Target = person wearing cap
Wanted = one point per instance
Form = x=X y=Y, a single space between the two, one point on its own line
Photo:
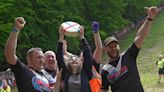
x=121 y=71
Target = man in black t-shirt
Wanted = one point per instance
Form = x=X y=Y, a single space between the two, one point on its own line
x=121 y=72
x=29 y=78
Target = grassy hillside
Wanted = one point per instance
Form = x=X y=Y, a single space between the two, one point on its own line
x=153 y=46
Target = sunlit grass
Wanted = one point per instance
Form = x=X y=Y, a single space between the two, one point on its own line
x=146 y=60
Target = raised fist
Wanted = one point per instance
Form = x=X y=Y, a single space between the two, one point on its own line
x=95 y=26
x=61 y=31
x=151 y=12
x=81 y=34
x=19 y=23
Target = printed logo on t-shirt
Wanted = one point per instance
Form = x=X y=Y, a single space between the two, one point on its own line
x=40 y=84
x=50 y=79
x=114 y=73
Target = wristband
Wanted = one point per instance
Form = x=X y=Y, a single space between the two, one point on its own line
x=14 y=30
x=150 y=19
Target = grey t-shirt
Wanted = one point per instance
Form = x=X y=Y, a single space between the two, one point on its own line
x=74 y=83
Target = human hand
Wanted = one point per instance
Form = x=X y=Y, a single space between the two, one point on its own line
x=19 y=23
x=5 y=87
x=151 y=12
x=95 y=26
x=61 y=31
x=81 y=32
x=59 y=75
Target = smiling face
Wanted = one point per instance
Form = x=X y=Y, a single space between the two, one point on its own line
x=35 y=59
x=113 y=50
x=74 y=64
x=50 y=60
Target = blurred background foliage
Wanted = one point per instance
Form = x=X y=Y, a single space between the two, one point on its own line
x=44 y=17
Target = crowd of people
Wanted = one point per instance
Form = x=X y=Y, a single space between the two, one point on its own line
x=7 y=81
x=68 y=72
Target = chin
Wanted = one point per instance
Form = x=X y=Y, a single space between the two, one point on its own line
x=42 y=67
x=114 y=56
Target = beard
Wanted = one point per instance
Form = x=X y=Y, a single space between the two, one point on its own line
x=113 y=56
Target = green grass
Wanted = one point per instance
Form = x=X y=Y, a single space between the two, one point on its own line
x=153 y=46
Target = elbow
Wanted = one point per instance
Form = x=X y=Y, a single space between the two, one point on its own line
x=6 y=53
x=10 y=57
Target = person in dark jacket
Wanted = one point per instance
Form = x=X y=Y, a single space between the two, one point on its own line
x=76 y=73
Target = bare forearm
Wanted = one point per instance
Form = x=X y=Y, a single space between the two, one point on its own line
x=98 y=51
x=61 y=38
x=145 y=28
x=97 y=39
x=142 y=33
x=57 y=86
x=10 y=48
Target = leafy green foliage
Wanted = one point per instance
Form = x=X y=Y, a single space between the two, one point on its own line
x=44 y=17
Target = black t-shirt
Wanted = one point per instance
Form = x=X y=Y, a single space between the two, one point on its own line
x=96 y=65
x=52 y=72
x=127 y=78
x=28 y=80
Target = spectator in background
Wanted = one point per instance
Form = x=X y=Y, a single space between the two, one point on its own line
x=160 y=65
x=4 y=87
x=121 y=71
x=51 y=67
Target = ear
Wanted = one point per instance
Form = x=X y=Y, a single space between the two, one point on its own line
x=28 y=60
x=103 y=48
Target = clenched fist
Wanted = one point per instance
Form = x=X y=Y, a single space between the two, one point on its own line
x=19 y=23
x=151 y=12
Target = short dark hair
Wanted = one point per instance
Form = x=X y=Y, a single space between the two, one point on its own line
x=32 y=50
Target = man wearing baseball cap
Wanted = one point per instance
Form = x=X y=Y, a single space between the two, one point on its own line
x=121 y=71
x=110 y=39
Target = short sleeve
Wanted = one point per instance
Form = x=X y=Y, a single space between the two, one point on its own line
x=105 y=83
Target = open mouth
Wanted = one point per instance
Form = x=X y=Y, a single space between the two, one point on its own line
x=51 y=62
x=74 y=62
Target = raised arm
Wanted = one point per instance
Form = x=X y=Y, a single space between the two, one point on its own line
x=59 y=55
x=146 y=26
x=98 y=51
x=87 y=64
x=11 y=44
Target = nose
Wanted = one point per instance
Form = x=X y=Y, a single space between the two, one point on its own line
x=50 y=57
x=73 y=58
x=114 y=48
